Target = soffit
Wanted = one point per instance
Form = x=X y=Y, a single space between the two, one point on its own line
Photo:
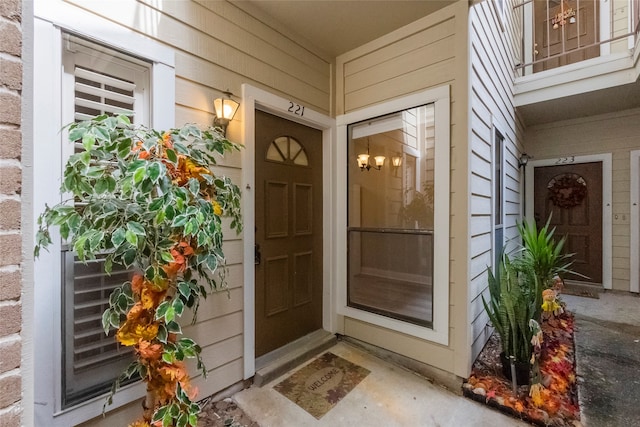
x=617 y=98
x=338 y=26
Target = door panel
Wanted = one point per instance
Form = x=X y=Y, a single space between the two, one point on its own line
x=288 y=231
x=580 y=221
x=576 y=39
x=276 y=218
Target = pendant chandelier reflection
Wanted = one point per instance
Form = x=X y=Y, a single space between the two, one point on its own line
x=363 y=160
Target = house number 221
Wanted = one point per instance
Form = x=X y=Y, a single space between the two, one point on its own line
x=296 y=109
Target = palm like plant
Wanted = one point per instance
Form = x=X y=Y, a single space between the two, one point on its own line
x=510 y=308
x=542 y=258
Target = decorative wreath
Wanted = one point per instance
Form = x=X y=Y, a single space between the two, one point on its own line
x=567 y=190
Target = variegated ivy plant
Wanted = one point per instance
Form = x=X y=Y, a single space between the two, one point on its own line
x=148 y=200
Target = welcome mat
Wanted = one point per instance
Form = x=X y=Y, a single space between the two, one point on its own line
x=321 y=384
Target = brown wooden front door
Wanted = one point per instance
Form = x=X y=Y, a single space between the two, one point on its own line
x=573 y=194
x=571 y=36
x=288 y=231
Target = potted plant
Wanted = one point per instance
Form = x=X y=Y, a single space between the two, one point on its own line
x=510 y=308
x=149 y=201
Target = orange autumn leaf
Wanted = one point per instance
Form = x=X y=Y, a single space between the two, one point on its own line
x=166 y=140
x=186 y=248
x=150 y=299
x=135 y=312
x=177 y=257
x=171 y=269
x=138 y=326
x=130 y=334
x=186 y=170
x=173 y=372
x=149 y=351
x=136 y=283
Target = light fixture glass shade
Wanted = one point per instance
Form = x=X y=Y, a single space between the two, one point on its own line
x=363 y=160
x=379 y=161
x=225 y=108
x=396 y=161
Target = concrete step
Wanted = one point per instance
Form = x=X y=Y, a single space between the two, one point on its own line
x=280 y=361
x=582 y=289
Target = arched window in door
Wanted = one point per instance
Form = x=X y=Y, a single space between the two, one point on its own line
x=286 y=149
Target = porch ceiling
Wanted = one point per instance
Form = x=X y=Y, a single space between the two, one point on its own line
x=337 y=26
x=610 y=100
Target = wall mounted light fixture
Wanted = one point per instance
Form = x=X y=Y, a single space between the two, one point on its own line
x=225 y=110
x=363 y=161
x=523 y=160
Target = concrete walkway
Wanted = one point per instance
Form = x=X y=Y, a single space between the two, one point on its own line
x=607 y=341
x=608 y=367
x=389 y=396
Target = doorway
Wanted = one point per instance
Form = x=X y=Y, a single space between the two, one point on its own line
x=572 y=195
x=634 y=249
x=288 y=231
x=571 y=27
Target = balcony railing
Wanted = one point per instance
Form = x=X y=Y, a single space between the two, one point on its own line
x=561 y=32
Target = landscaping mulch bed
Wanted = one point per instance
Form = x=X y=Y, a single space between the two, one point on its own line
x=223 y=413
x=557 y=403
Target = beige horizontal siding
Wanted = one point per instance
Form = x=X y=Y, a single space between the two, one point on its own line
x=494 y=48
x=219 y=46
x=428 y=53
x=278 y=65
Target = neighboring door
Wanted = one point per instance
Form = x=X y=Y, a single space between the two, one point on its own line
x=288 y=231
x=576 y=35
x=573 y=194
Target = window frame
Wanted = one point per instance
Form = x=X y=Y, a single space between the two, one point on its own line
x=498 y=164
x=411 y=177
x=440 y=97
x=52 y=19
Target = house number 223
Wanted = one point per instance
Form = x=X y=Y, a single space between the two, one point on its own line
x=563 y=160
x=296 y=109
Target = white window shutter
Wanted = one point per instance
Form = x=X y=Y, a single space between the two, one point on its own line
x=97 y=80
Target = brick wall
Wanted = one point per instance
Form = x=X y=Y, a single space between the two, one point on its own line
x=10 y=203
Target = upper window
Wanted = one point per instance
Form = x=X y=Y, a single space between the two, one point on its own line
x=96 y=80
